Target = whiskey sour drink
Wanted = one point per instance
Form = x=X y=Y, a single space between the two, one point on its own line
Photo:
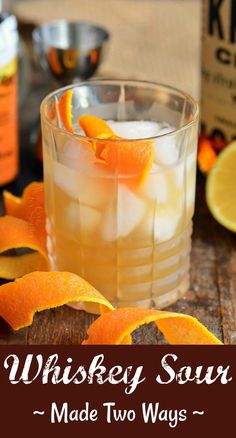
x=120 y=188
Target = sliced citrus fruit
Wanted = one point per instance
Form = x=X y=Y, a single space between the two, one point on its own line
x=18 y=234
x=115 y=327
x=126 y=158
x=65 y=109
x=29 y=207
x=19 y=300
x=220 y=188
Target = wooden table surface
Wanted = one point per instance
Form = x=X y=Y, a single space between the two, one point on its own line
x=212 y=297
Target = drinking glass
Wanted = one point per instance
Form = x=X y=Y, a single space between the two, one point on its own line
x=129 y=235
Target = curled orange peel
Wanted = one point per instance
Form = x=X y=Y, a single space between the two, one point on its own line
x=115 y=327
x=95 y=127
x=65 y=109
x=17 y=234
x=127 y=157
x=37 y=291
x=11 y=202
x=29 y=207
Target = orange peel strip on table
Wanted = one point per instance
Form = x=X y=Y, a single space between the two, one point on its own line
x=116 y=327
x=17 y=234
x=11 y=202
x=30 y=207
x=37 y=291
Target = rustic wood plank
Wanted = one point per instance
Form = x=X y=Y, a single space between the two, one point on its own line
x=226 y=281
x=62 y=325
x=9 y=337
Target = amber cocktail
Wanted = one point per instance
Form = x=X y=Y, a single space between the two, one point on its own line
x=127 y=232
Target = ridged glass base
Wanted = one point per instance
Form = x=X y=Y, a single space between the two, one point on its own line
x=169 y=279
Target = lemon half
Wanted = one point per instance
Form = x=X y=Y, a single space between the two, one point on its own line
x=221 y=188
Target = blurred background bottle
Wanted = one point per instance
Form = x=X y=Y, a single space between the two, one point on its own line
x=218 y=79
x=8 y=98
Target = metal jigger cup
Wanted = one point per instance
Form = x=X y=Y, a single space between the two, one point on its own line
x=70 y=51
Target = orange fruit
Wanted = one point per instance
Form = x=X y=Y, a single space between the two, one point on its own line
x=19 y=300
x=116 y=327
x=65 y=109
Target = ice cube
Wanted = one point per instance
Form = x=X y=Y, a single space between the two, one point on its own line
x=166 y=129
x=190 y=196
x=131 y=209
x=121 y=218
x=164 y=221
x=156 y=187
x=65 y=178
x=90 y=218
x=191 y=161
x=166 y=226
x=135 y=129
x=81 y=219
x=93 y=191
x=178 y=173
x=165 y=150
x=77 y=154
x=179 y=170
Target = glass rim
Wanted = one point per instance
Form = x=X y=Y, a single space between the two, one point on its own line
x=117 y=82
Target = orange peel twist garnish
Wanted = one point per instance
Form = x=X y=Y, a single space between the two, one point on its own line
x=19 y=300
x=65 y=109
x=125 y=158
x=116 y=327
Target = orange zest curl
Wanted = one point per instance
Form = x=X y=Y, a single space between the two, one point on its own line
x=115 y=327
x=18 y=235
x=37 y=291
x=126 y=158
x=65 y=109
x=30 y=207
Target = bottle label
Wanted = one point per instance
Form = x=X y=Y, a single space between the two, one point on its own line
x=218 y=106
